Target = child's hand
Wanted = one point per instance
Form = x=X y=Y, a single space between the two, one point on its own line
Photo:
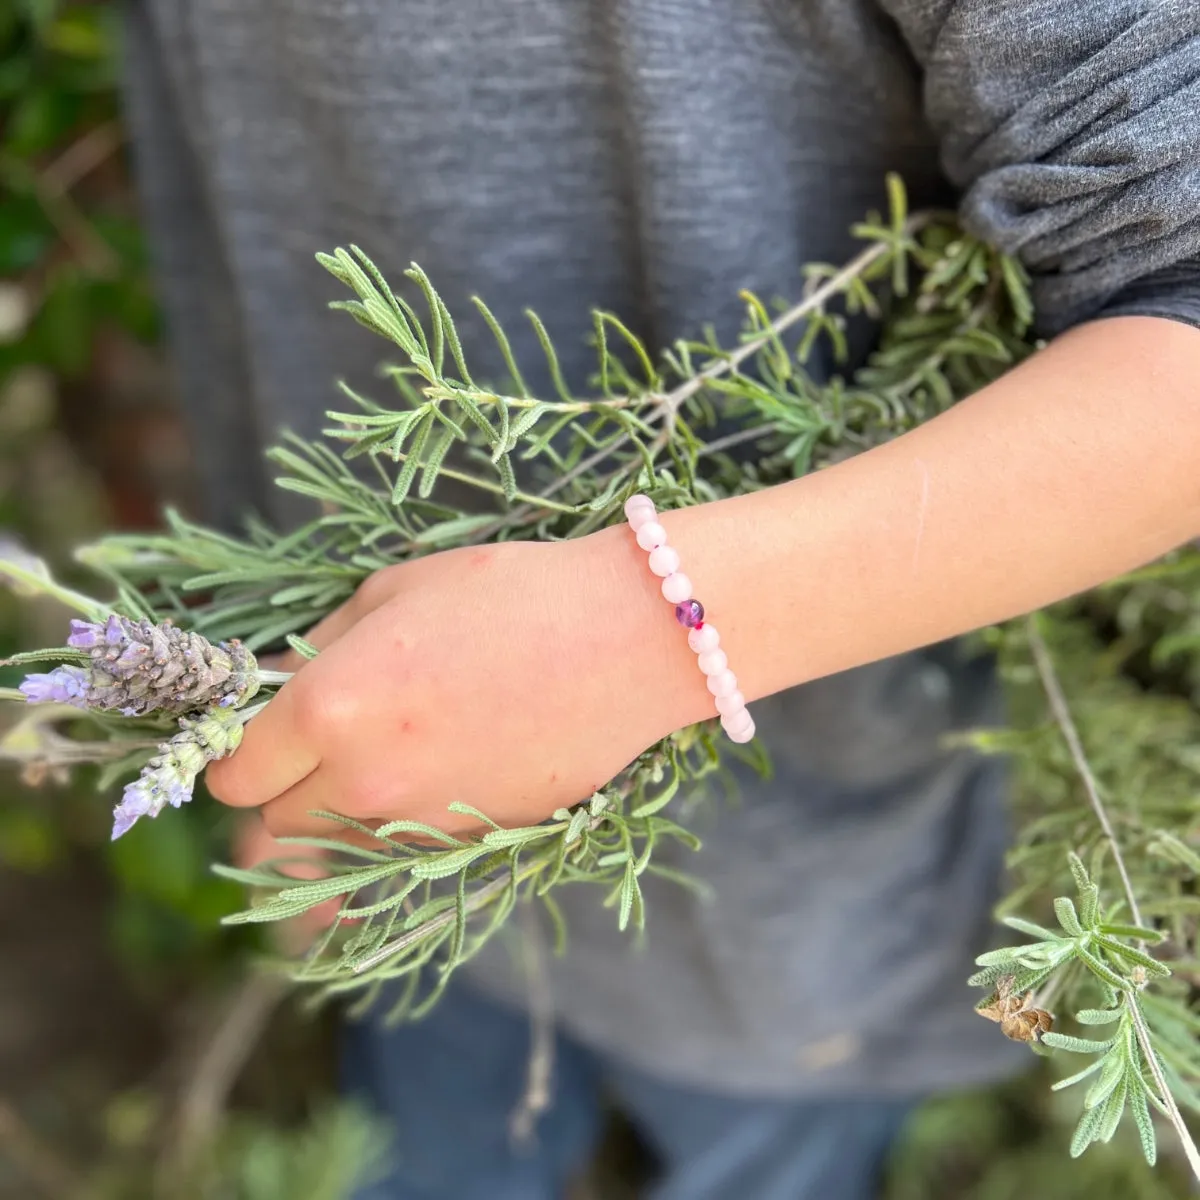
x=517 y=678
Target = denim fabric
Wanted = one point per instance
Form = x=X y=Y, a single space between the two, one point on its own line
x=450 y=1084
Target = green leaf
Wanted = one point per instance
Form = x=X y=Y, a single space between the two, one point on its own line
x=1151 y=965
x=1139 y=932
x=656 y=803
x=1076 y=1045
x=457 y=529
x=446 y=862
x=1101 y=970
x=1064 y=910
x=1098 y=1016
x=304 y=649
x=1085 y=1131
x=1113 y=1108
x=418 y=827
x=1079 y=872
x=1079 y=1076
x=412 y=463
x=1141 y=1118
x=505 y=349
x=1031 y=928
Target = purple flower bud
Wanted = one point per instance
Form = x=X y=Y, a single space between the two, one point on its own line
x=137 y=802
x=84 y=635
x=63 y=685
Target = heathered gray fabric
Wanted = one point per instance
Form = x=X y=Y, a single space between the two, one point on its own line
x=652 y=157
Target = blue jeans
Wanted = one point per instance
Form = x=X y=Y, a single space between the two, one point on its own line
x=449 y=1085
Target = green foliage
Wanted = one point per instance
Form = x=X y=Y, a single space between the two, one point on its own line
x=1112 y=959
x=954 y=315
x=339 y=1149
x=68 y=238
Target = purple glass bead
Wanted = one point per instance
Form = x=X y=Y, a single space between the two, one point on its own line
x=690 y=614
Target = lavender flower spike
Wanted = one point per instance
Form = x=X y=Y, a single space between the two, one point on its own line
x=170 y=776
x=139 y=667
x=63 y=685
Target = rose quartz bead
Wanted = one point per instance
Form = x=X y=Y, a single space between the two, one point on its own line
x=677 y=587
x=651 y=535
x=728 y=705
x=704 y=639
x=638 y=503
x=664 y=560
x=713 y=661
x=735 y=718
x=740 y=733
x=641 y=517
x=723 y=683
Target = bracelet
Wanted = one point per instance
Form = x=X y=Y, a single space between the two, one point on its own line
x=689 y=612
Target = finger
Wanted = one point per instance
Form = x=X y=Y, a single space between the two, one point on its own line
x=274 y=755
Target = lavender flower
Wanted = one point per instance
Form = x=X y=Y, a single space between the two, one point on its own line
x=63 y=685
x=138 y=667
x=170 y=776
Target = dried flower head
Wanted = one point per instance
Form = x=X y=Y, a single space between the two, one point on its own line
x=138 y=667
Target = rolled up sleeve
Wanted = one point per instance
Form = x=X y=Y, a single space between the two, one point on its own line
x=1072 y=131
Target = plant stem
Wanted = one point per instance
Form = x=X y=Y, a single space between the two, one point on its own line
x=1168 y=1100
x=476 y=899
x=669 y=403
x=1062 y=715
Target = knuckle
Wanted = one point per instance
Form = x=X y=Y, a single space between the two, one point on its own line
x=324 y=715
x=374 y=590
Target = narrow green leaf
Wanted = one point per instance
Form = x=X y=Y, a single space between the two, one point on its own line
x=417 y=827
x=1064 y=910
x=446 y=862
x=1085 y=1131
x=1078 y=1077
x=505 y=349
x=408 y=471
x=456 y=529
x=557 y=921
x=1031 y=928
x=1076 y=1045
x=1141 y=1118
x=433 y=463
x=1114 y=1107
x=560 y=385
x=304 y=649
x=1098 y=1016
x=629 y=885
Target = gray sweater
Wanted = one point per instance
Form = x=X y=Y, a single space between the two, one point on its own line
x=653 y=157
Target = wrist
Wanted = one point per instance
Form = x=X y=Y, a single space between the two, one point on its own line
x=653 y=668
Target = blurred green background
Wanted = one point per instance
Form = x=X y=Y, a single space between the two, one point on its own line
x=138 y=1056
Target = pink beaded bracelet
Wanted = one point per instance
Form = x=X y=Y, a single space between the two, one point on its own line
x=689 y=612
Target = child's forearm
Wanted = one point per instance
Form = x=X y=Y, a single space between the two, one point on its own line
x=1078 y=465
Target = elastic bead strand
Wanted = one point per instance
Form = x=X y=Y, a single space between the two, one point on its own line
x=703 y=638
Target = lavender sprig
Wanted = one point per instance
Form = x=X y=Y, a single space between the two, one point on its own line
x=170 y=776
x=138 y=667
